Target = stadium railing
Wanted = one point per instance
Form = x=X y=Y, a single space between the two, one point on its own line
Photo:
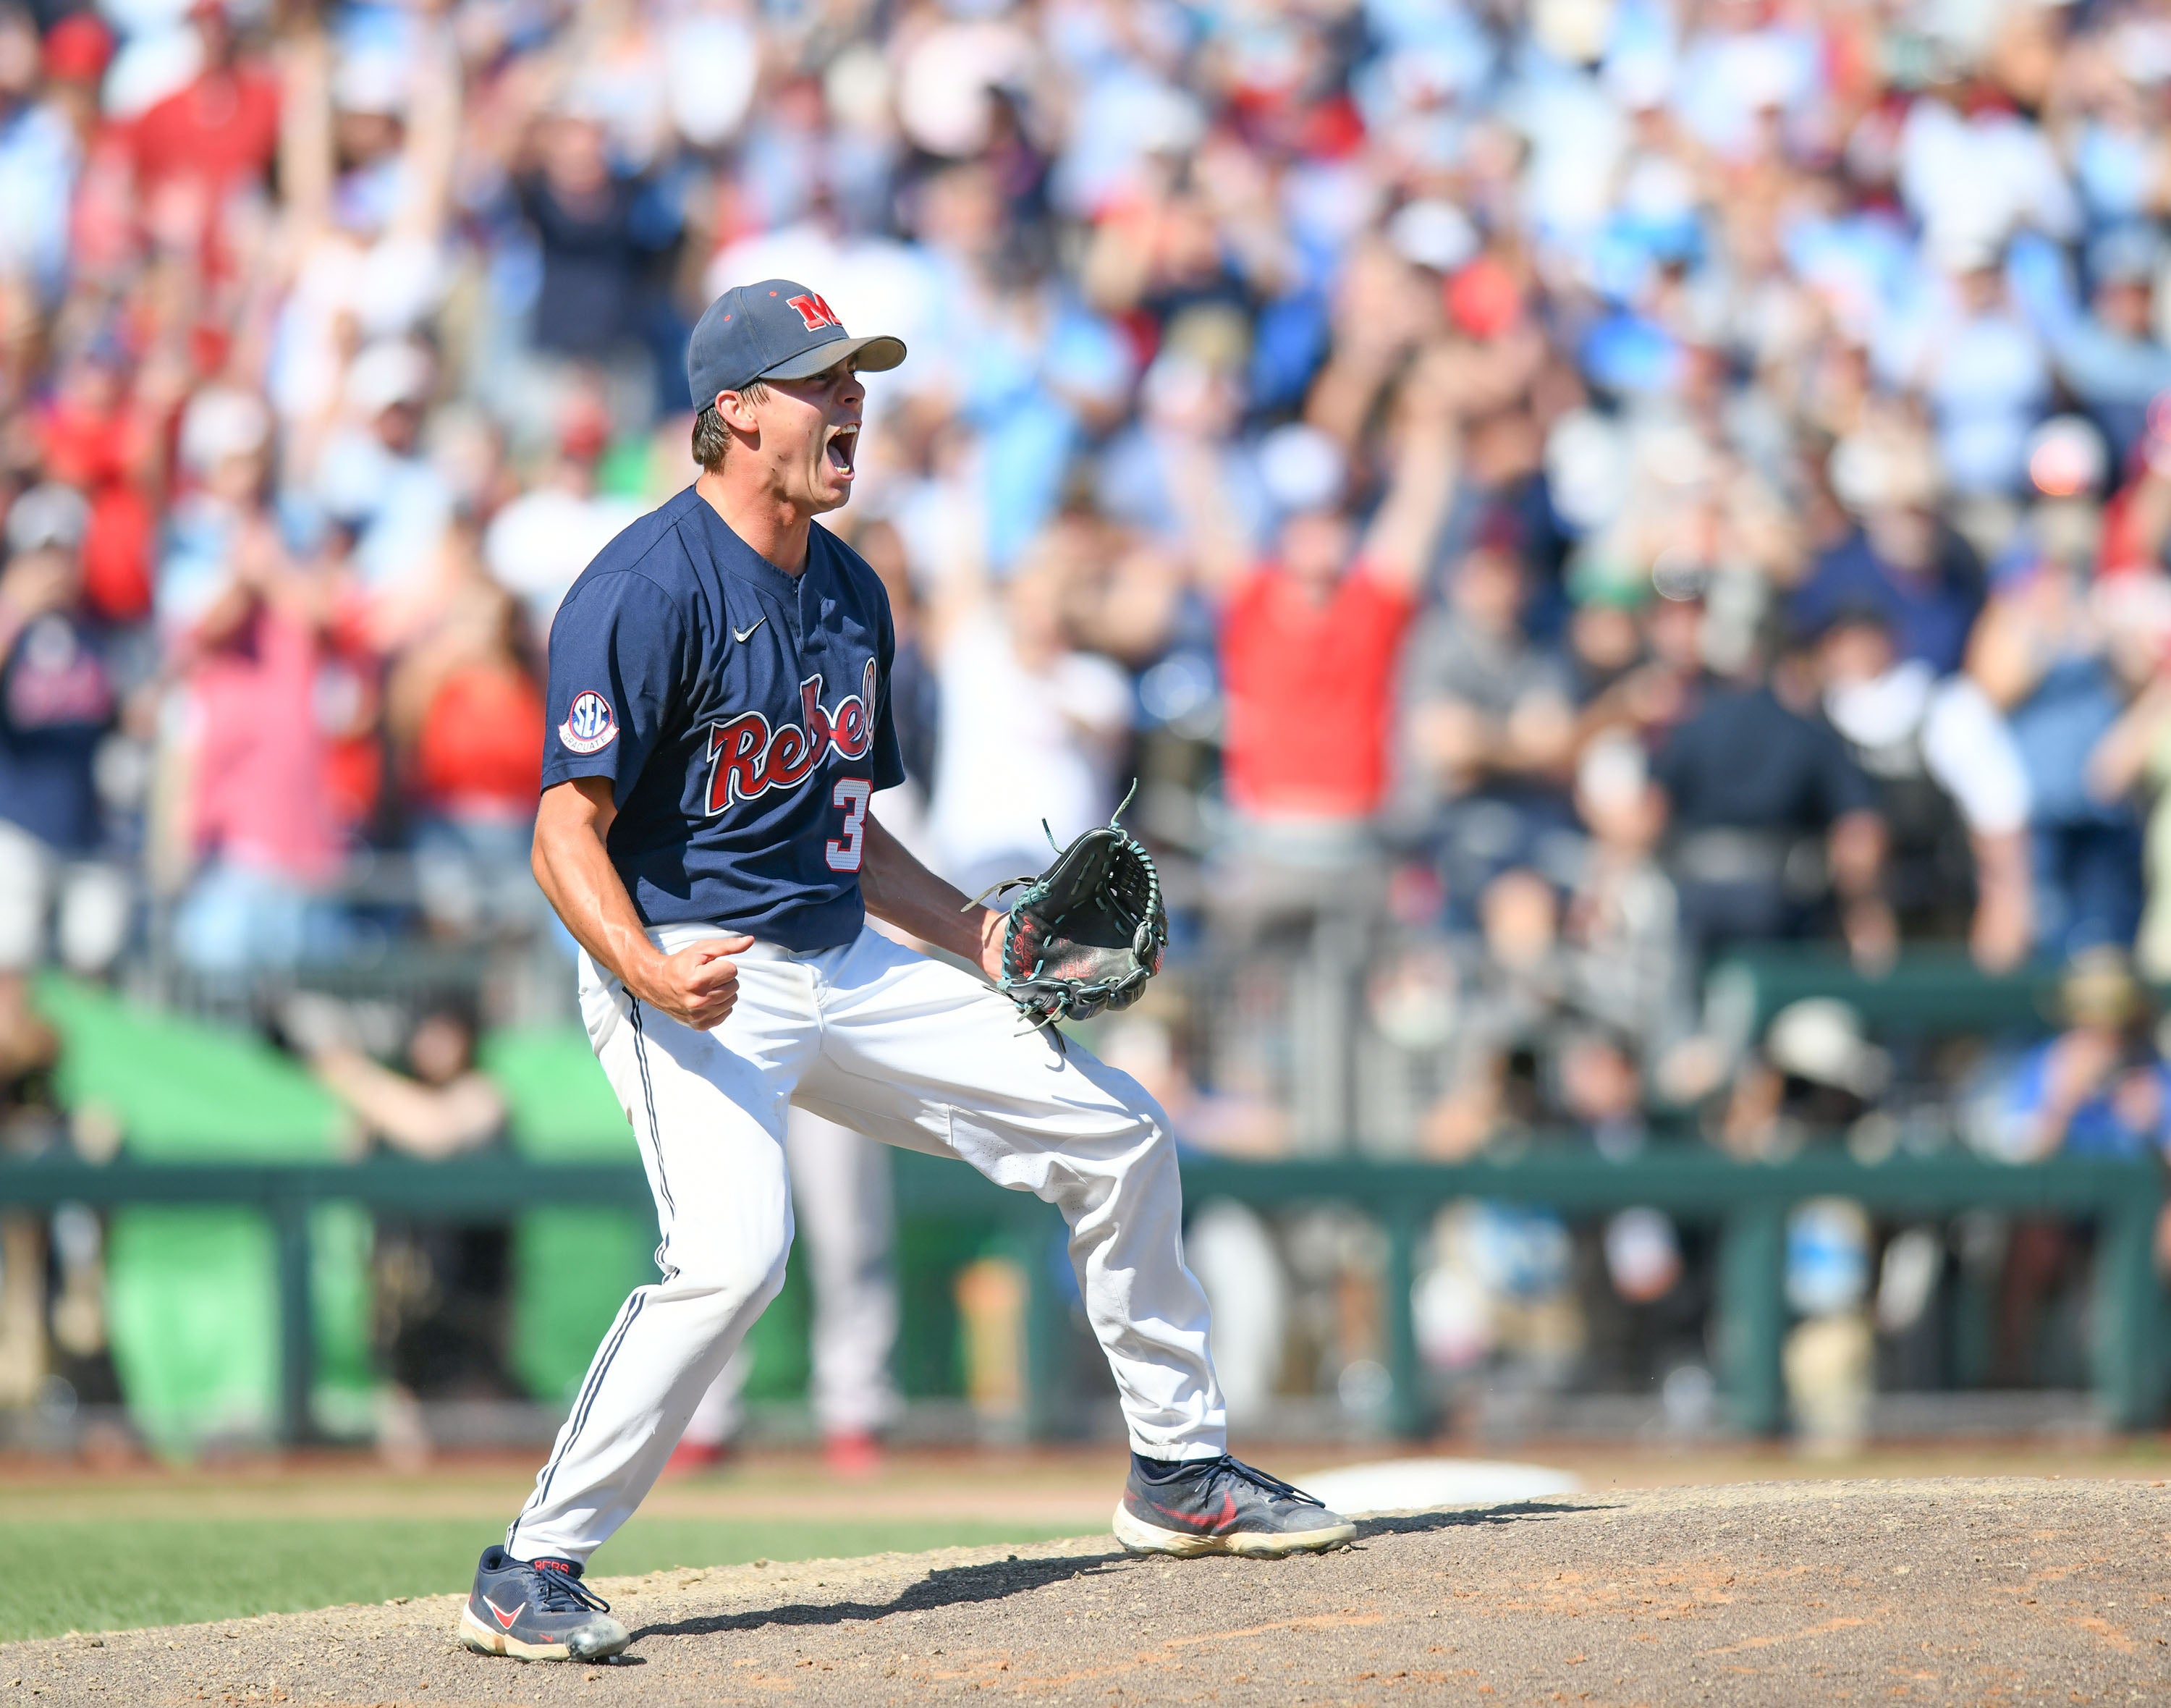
x=1932 y=990
x=1747 y=1202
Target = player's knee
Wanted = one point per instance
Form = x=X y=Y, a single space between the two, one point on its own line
x=770 y=1282
x=748 y=1273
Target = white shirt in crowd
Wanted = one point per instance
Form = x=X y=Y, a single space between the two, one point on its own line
x=1017 y=746
x=1963 y=743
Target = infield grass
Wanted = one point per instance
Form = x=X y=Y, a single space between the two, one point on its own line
x=111 y=1574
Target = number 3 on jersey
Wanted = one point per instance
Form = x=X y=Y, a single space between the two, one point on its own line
x=846 y=851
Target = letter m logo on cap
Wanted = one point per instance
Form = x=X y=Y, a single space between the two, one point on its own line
x=815 y=312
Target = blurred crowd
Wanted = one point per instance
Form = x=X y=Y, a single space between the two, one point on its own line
x=1536 y=495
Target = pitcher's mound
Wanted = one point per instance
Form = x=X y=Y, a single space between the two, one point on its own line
x=1404 y=1485
x=1960 y=1591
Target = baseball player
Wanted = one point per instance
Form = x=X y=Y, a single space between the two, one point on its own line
x=719 y=718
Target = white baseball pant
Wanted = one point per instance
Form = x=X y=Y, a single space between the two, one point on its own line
x=915 y=1053
x=840 y=1200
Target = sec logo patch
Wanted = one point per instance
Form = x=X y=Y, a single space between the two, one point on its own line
x=589 y=726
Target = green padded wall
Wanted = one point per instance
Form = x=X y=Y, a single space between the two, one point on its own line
x=192 y=1293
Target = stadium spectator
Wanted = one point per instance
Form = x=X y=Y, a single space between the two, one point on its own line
x=1747 y=782
x=255 y=647
x=2100 y=1087
x=210 y=140
x=1310 y=639
x=1033 y=725
x=1949 y=782
x=1815 y=1076
x=1901 y=560
x=603 y=234
x=542 y=538
x=2108 y=356
x=439 y=1306
x=374 y=481
x=2043 y=653
x=2133 y=760
x=460 y=707
x=1515 y=1003
x=38 y=158
x=1623 y=915
x=61 y=897
x=1486 y=718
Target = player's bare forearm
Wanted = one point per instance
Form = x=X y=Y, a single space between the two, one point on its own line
x=696 y=985
x=897 y=888
x=572 y=864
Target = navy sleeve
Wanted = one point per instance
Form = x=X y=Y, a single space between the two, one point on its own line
x=618 y=651
x=888 y=756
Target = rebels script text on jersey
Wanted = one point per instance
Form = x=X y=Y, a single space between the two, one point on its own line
x=743 y=716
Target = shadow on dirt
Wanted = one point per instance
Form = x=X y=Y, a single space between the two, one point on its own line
x=1513 y=1512
x=953 y=1585
x=956 y=1586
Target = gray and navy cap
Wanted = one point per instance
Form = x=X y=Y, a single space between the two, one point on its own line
x=774 y=329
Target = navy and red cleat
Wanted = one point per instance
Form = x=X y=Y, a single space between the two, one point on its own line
x=1225 y=1506
x=537 y=1610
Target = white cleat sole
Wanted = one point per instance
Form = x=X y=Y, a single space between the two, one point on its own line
x=479 y=1638
x=1140 y=1537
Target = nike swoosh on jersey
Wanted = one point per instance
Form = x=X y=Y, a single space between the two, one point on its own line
x=741 y=635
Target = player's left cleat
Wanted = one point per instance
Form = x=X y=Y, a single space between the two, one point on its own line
x=1225 y=1506
x=537 y=1610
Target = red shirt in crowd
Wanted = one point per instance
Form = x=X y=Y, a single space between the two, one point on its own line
x=1311 y=689
x=480 y=750
x=264 y=795
x=220 y=130
x=90 y=444
x=195 y=149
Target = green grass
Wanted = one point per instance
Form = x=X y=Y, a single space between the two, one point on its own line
x=116 y=1574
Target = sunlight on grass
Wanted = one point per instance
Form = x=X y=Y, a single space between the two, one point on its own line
x=111 y=1575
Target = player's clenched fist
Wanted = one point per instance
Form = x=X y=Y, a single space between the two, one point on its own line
x=698 y=986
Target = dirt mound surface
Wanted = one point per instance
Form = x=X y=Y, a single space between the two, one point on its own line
x=1966 y=1590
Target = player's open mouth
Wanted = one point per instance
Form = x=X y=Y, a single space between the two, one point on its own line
x=843 y=443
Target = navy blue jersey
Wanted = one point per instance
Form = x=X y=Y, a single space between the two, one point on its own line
x=742 y=716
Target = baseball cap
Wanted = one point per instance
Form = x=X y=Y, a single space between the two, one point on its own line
x=775 y=329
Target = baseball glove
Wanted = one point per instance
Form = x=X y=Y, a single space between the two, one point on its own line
x=1088 y=932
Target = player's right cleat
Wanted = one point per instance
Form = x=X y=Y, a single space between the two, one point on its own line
x=1225 y=1506
x=537 y=1610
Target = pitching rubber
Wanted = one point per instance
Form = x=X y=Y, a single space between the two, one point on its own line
x=1140 y=1537
x=481 y=1640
